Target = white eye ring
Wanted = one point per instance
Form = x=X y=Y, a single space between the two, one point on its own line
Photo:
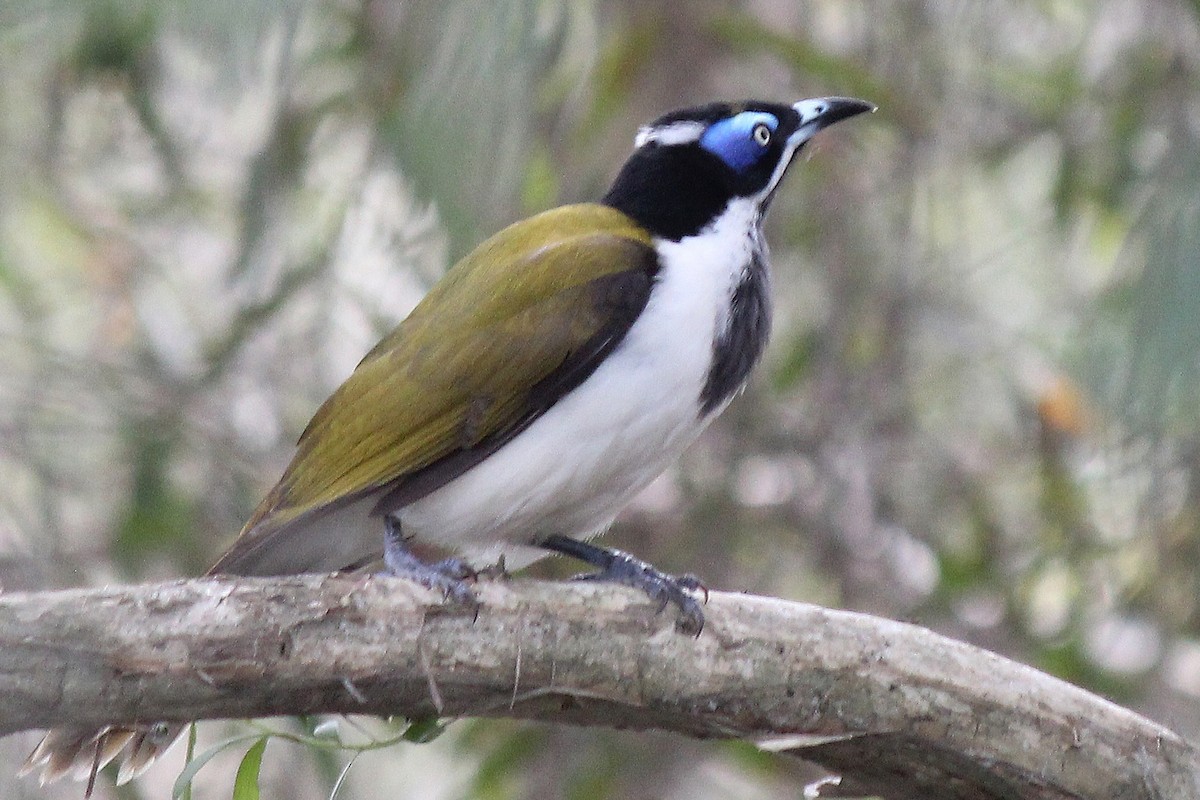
x=762 y=134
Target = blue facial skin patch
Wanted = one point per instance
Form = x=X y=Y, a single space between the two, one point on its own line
x=732 y=140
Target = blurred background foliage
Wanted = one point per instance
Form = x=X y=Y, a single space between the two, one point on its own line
x=980 y=410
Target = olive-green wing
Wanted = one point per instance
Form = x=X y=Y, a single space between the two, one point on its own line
x=509 y=330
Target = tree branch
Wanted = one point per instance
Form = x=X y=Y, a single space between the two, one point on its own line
x=896 y=710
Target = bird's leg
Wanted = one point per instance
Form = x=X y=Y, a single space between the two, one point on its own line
x=621 y=567
x=448 y=576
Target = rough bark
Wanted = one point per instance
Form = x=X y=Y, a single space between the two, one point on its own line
x=894 y=709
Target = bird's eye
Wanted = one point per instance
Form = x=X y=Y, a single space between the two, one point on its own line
x=741 y=141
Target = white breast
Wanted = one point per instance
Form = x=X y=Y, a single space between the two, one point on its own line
x=577 y=465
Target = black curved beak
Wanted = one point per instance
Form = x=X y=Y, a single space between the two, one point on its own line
x=819 y=113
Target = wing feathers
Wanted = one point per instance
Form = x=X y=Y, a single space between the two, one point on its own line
x=618 y=300
x=508 y=331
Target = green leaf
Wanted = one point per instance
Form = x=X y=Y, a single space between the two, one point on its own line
x=184 y=782
x=423 y=731
x=245 y=785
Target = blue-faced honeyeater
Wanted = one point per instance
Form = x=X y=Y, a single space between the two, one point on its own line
x=548 y=377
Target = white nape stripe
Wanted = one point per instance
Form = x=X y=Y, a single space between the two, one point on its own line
x=672 y=133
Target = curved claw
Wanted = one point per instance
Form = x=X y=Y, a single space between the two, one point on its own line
x=452 y=587
x=621 y=567
x=663 y=588
x=449 y=576
x=691 y=617
x=693 y=584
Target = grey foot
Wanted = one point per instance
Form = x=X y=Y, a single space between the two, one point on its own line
x=450 y=576
x=621 y=567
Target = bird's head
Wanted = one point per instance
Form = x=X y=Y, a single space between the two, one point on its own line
x=687 y=165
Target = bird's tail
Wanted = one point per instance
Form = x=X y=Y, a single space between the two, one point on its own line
x=80 y=753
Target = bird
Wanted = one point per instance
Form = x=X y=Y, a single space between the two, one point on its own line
x=540 y=384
